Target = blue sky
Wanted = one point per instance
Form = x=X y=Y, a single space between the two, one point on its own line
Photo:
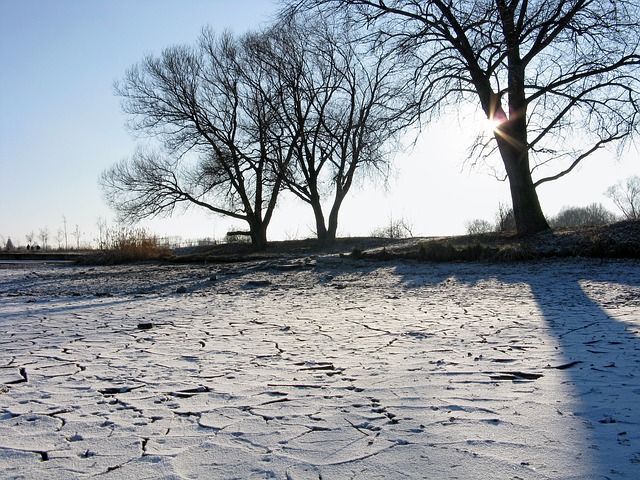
x=61 y=125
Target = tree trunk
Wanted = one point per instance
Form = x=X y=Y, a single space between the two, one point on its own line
x=258 y=232
x=332 y=231
x=321 y=229
x=512 y=135
x=527 y=211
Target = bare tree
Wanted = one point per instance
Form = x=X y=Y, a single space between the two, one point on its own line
x=560 y=78
x=60 y=238
x=77 y=234
x=213 y=120
x=65 y=232
x=103 y=231
x=340 y=106
x=30 y=237
x=43 y=235
x=626 y=195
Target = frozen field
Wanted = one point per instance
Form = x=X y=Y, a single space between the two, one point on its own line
x=321 y=368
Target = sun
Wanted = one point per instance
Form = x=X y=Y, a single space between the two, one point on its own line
x=490 y=125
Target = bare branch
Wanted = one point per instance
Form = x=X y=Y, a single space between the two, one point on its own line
x=564 y=73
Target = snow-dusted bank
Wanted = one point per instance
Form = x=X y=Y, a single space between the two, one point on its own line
x=324 y=368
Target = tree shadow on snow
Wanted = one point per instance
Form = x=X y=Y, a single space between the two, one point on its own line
x=582 y=304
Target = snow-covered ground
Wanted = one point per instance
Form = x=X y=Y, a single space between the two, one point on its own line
x=321 y=368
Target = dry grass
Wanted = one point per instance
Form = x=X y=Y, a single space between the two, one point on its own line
x=619 y=240
x=127 y=245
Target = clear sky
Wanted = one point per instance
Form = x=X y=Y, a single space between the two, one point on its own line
x=61 y=125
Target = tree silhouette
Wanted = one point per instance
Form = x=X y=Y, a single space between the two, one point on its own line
x=340 y=105
x=208 y=108
x=559 y=78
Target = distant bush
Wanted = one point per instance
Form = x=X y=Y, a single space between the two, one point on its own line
x=591 y=215
x=478 y=226
x=395 y=229
x=505 y=219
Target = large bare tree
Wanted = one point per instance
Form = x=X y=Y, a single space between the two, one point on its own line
x=340 y=104
x=561 y=78
x=207 y=108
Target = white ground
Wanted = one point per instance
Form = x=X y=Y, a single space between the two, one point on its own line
x=340 y=369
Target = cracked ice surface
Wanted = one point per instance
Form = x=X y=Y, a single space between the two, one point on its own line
x=323 y=368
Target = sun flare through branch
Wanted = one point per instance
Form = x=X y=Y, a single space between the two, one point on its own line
x=491 y=126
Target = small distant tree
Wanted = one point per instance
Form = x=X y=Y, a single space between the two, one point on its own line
x=103 y=230
x=64 y=232
x=9 y=245
x=478 y=226
x=43 y=235
x=60 y=238
x=77 y=234
x=594 y=214
x=626 y=195
x=30 y=237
